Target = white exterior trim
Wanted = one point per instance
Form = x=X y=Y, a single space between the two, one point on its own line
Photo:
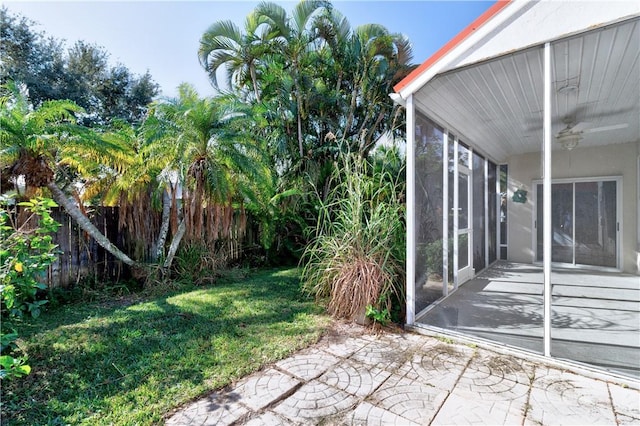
x=445 y=213
x=465 y=45
x=547 y=233
x=410 y=265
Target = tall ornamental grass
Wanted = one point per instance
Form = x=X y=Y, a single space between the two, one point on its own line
x=355 y=259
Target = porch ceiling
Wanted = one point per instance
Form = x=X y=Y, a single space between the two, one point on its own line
x=497 y=105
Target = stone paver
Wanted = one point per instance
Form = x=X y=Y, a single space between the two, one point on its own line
x=357 y=377
x=489 y=391
x=438 y=364
x=381 y=353
x=260 y=390
x=491 y=368
x=316 y=402
x=269 y=419
x=559 y=397
x=216 y=409
x=410 y=399
x=346 y=347
x=371 y=415
x=465 y=408
x=626 y=403
x=308 y=364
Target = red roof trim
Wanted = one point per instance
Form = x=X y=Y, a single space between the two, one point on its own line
x=481 y=20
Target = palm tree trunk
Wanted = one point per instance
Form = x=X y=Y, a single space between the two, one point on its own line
x=254 y=79
x=164 y=227
x=173 y=248
x=300 y=134
x=85 y=224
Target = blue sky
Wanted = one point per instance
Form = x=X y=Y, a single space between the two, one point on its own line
x=163 y=36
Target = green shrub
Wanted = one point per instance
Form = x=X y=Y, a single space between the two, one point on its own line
x=355 y=257
x=199 y=263
x=26 y=251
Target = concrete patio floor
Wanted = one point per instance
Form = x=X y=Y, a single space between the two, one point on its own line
x=595 y=315
x=356 y=377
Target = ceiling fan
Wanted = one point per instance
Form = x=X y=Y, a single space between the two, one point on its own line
x=572 y=134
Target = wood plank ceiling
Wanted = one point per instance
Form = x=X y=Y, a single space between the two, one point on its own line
x=497 y=105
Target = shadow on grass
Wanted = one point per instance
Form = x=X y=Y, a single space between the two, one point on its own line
x=133 y=364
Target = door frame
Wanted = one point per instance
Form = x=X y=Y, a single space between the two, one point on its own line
x=460 y=275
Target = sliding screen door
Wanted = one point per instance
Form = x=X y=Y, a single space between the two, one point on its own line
x=584 y=221
x=596 y=223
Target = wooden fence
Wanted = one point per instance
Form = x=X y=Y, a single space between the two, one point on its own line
x=81 y=258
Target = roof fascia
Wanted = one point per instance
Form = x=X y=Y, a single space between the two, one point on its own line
x=492 y=18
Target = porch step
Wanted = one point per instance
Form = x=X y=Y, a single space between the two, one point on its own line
x=618 y=305
x=608 y=293
x=621 y=358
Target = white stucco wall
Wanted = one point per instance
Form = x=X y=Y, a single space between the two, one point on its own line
x=611 y=160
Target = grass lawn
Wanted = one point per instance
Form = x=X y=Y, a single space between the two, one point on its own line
x=114 y=364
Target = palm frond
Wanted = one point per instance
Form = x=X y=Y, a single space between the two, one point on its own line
x=275 y=16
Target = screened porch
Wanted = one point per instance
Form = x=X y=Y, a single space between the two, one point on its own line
x=523 y=187
x=595 y=315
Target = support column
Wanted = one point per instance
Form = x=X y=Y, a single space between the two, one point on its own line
x=546 y=201
x=410 y=266
x=445 y=215
x=456 y=211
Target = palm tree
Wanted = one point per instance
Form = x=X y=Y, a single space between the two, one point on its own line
x=224 y=44
x=36 y=143
x=293 y=41
x=366 y=62
x=206 y=142
x=138 y=189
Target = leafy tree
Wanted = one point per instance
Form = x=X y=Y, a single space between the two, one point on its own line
x=374 y=60
x=324 y=84
x=37 y=143
x=321 y=90
x=27 y=56
x=81 y=74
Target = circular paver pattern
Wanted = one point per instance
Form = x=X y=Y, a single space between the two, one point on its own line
x=501 y=367
x=440 y=366
x=381 y=354
x=410 y=399
x=346 y=348
x=559 y=397
x=316 y=401
x=260 y=390
x=216 y=409
x=308 y=365
x=463 y=408
x=268 y=419
x=495 y=378
x=355 y=379
x=370 y=415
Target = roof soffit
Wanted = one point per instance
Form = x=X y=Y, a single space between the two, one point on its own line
x=516 y=26
x=498 y=103
x=544 y=21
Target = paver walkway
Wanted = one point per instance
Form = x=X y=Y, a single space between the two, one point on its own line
x=355 y=377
